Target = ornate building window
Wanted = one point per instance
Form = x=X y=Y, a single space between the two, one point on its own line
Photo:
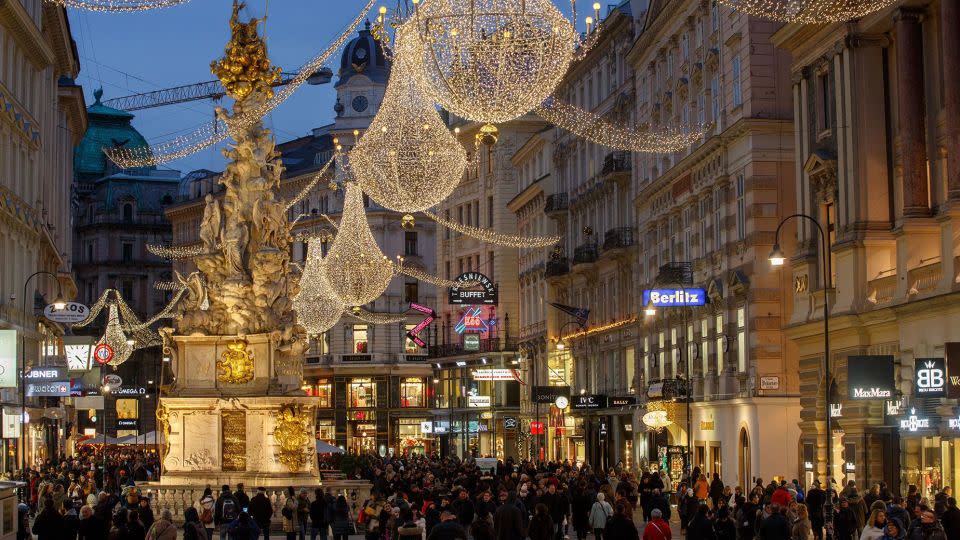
x=737 y=82
x=741 y=208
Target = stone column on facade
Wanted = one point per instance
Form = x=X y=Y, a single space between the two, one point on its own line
x=950 y=31
x=911 y=107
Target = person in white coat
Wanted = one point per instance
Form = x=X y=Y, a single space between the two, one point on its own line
x=599 y=512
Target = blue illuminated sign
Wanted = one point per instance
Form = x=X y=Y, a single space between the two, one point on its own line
x=674 y=297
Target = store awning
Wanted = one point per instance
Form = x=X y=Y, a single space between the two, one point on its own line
x=99 y=439
x=146 y=438
x=327 y=448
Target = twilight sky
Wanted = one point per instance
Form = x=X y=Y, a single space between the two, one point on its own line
x=140 y=52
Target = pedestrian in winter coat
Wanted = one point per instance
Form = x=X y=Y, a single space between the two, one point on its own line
x=119 y=530
x=71 y=520
x=659 y=502
x=776 y=526
x=876 y=523
x=859 y=508
x=318 y=515
x=687 y=508
x=724 y=528
x=894 y=530
x=291 y=523
x=449 y=528
x=243 y=528
x=845 y=522
x=700 y=527
x=801 y=529
x=508 y=520
x=163 y=528
x=702 y=488
x=621 y=526
x=600 y=512
x=716 y=490
x=341 y=525
x=464 y=508
x=580 y=511
x=49 y=524
x=951 y=519
x=90 y=527
x=192 y=528
x=747 y=518
x=926 y=528
x=261 y=510
x=541 y=526
x=657 y=528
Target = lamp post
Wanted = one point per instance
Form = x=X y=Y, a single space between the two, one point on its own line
x=777 y=258
x=58 y=303
x=651 y=311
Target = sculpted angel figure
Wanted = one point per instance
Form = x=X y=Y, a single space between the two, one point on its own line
x=211 y=224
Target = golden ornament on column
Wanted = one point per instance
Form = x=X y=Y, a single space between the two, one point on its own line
x=245 y=66
x=235 y=365
x=292 y=436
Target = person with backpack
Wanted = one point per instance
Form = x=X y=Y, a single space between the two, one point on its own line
x=226 y=509
x=243 y=528
x=600 y=513
x=205 y=517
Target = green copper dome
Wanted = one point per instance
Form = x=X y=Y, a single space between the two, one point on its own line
x=108 y=128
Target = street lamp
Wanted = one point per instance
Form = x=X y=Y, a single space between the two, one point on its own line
x=777 y=258
x=58 y=303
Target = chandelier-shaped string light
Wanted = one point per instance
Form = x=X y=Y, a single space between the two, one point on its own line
x=492 y=60
x=127 y=326
x=491 y=236
x=117 y=6
x=375 y=318
x=355 y=269
x=116 y=338
x=318 y=309
x=599 y=130
x=407 y=161
x=208 y=135
x=808 y=11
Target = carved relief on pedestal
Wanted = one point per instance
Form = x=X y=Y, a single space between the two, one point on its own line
x=292 y=436
x=235 y=365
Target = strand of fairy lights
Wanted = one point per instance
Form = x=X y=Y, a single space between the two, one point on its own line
x=207 y=135
x=808 y=11
x=314 y=181
x=491 y=236
x=118 y=6
x=597 y=129
x=318 y=309
x=376 y=318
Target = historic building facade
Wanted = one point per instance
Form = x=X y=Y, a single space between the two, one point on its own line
x=706 y=218
x=595 y=266
x=42 y=119
x=877 y=163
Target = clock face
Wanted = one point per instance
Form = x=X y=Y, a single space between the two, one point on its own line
x=562 y=402
x=78 y=357
x=360 y=103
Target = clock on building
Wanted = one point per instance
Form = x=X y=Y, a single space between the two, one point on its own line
x=78 y=356
x=360 y=103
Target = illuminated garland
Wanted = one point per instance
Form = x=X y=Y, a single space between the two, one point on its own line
x=313 y=182
x=493 y=237
x=376 y=318
x=206 y=136
x=117 y=6
x=176 y=253
x=808 y=11
x=598 y=329
x=318 y=309
x=596 y=129
x=355 y=269
x=492 y=60
x=116 y=339
x=407 y=160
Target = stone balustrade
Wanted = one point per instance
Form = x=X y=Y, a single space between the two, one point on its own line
x=177 y=499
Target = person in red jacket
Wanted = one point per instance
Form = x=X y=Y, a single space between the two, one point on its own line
x=657 y=528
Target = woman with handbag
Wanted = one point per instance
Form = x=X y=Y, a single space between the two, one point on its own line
x=291 y=524
x=207 y=502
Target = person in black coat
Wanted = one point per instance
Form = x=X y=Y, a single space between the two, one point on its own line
x=508 y=520
x=620 y=526
x=558 y=504
x=318 y=514
x=723 y=527
x=541 y=525
x=776 y=526
x=464 y=508
x=747 y=518
x=716 y=490
x=580 y=510
x=659 y=502
x=261 y=511
x=49 y=524
x=71 y=520
x=815 y=500
x=951 y=519
x=449 y=528
x=845 y=522
x=700 y=527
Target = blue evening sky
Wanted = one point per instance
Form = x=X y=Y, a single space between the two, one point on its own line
x=140 y=52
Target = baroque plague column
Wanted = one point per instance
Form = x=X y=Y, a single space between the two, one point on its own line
x=235 y=412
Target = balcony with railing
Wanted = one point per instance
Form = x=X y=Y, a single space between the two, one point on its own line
x=676 y=273
x=618 y=238
x=924 y=279
x=556 y=203
x=882 y=290
x=586 y=254
x=557 y=267
x=617 y=166
x=489 y=345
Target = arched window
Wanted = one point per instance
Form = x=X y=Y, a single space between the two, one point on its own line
x=743 y=460
x=127 y=213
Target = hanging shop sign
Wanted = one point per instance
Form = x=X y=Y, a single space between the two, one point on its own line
x=536 y=428
x=426 y=428
x=478 y=401
x=441 y=428
x=103 y=353
x=870 y=377
x=127 y=423
x=495 y=374
x=621 y=401
x=592 y=401
x=471 y=341
x=914 y=422
x=476 y=288
x=128 y=391
x=510 y=423
x=414 y=333
x=770 y=383
x=45 y=374
x=953 y=369
x=112 y=380
x=472 y=321
x=930 y=377
x=656 y=419
x=655 y=391
x=674 y=297
x=954 y=423
x=8 y=358
x=836 y=410
x=48 y=389
x=893 y=407
x=549 y=394
x=72 y=312
x=603 y=428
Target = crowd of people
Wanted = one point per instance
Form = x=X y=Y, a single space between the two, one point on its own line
x=445 y=498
